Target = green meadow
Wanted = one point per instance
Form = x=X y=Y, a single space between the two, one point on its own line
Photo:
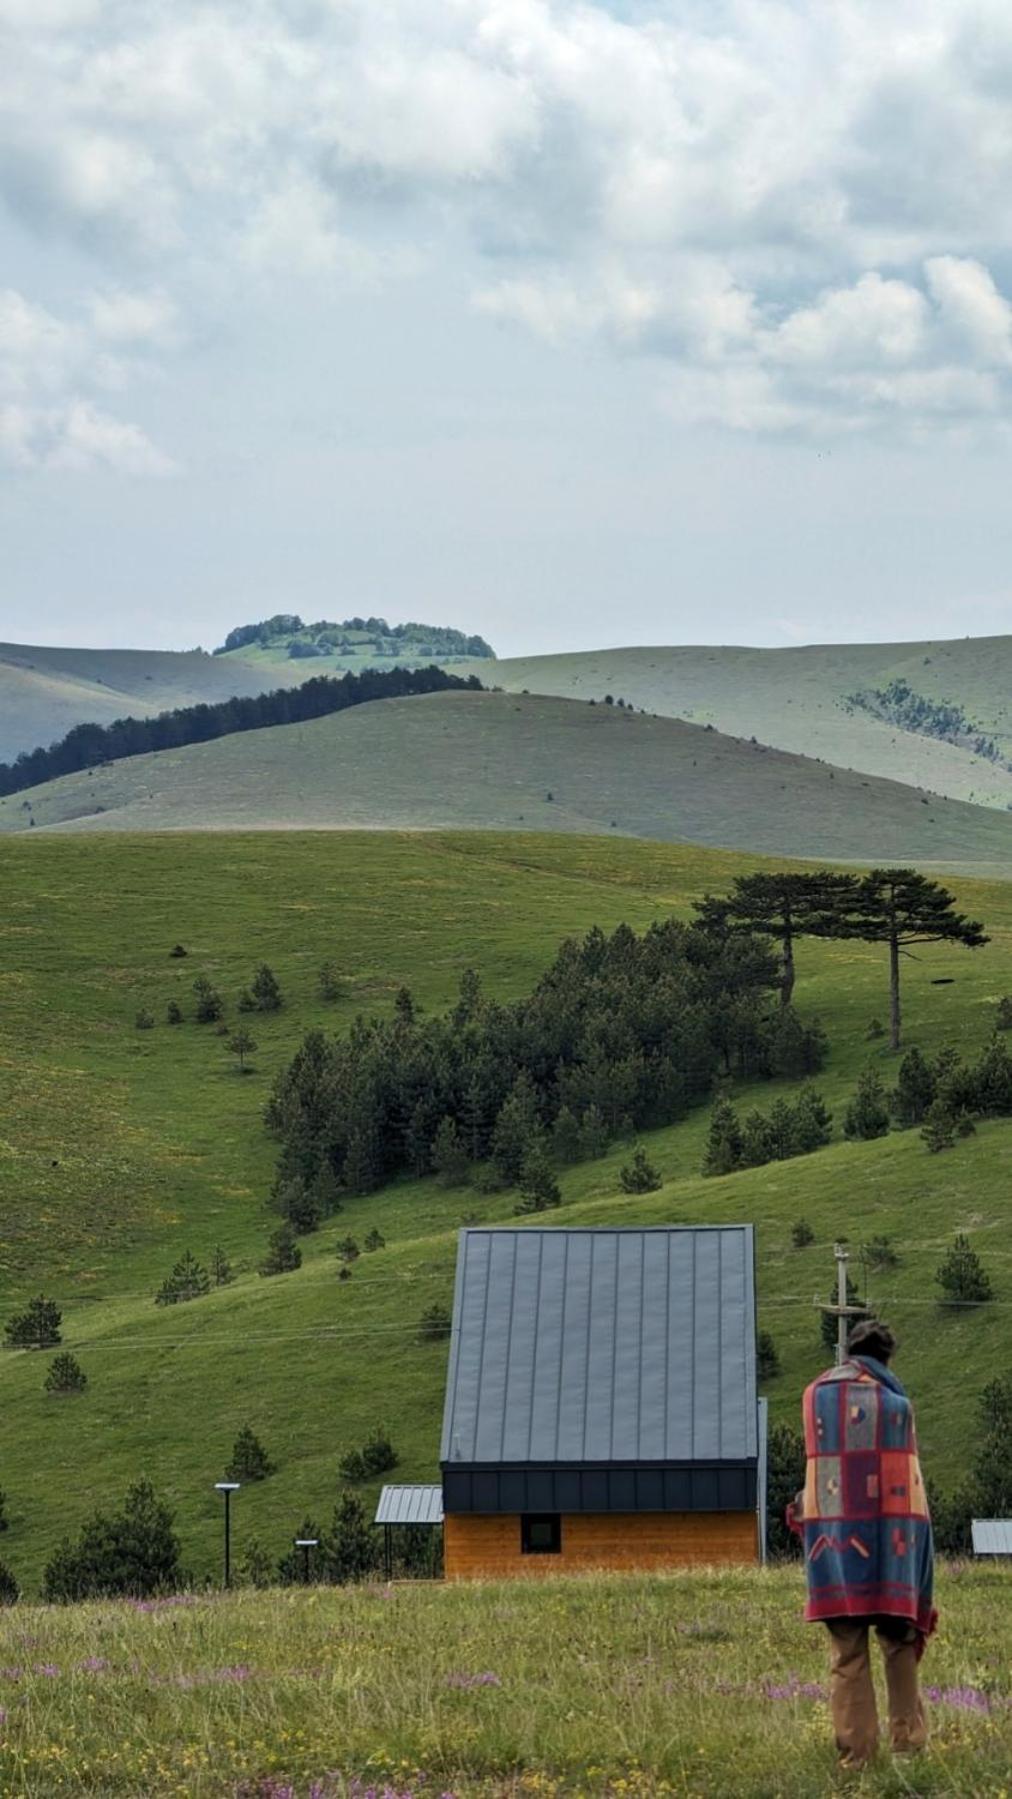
x=683 y=1686
x=121 y=1148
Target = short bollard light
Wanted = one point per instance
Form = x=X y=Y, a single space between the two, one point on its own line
x=307 y=1545
x=227 y=1487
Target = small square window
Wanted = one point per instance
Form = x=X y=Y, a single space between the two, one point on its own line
x=541 y=1533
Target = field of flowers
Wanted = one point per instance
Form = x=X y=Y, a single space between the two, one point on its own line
x=699 y=1684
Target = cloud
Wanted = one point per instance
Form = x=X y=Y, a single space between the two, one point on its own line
x=801 y=213
x=48 y=365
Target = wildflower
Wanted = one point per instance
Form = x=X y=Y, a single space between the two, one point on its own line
x=473 y=1680
x=48 y=1669
x=93 y=1664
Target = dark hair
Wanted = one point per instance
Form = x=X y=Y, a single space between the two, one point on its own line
x=871 y=1337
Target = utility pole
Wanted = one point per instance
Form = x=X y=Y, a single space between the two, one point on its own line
x=841 y=1311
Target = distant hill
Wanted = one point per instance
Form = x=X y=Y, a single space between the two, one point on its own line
x=498 y=761
x=45 y=692
x=836 y=701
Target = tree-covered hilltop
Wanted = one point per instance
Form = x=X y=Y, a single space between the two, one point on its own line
x=366 y=637
x=86 y=746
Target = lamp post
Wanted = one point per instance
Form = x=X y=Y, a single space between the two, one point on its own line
x=307 y=1545
x=228 y=1487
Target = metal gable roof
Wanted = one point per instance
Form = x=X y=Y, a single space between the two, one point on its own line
x=410 y=1505
x=992 y=1536
x=606 y=1345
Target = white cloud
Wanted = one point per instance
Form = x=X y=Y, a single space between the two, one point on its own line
x=802 y=211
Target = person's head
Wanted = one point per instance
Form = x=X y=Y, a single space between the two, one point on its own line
x=870 y=1337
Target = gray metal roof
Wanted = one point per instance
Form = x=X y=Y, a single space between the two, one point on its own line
x=992 y=1536
x=602 y=1346
x=410 y=1505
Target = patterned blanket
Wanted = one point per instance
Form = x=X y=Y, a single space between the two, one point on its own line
x=866 y=1527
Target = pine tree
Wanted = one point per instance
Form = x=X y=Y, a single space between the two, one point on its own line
x=639 y=1175
x=350 y=1548
x=375 y=1240
x=449 y=1158
x=991 y=1477
x=173 y=1013
x=758 y=1143
x=250 y=1460
x=593 y=1134
x=767 y=1357
x=404 y=1005
x=1003 y=1018
x=939 y=1129
x=347 y=1249
x=435 y=1324
x=378 y=1453
x=209 y=1001
x=867 y=1115
x=300 y=1206
x=785 y=906
x=899 y=907
x=915 y=1090
x=36 y=1328
x=65 y=1375
x=242 y=1044
x=292 y=1566
x=724 y=1143
x=328 y=983
x=10 y=1592
x=962 y=1277
x=145 y=1020
x=567 y=1144
x=221 y=1272
x=785 y=1479
x=539 y=1189
x=188 y=1280
x=813 y=1123
x=828 y=1325
x=255 y=1568
x=360 y=1173
x=284 y=1254
x=265 y=989
x=4 y=1520
x=515 y=1129
x=802 y=1233
x=469 y=1000
x=132 y=1553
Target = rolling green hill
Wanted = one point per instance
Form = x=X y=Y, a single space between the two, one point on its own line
x=496 y=761
x=797 y=700
x=120 y=1148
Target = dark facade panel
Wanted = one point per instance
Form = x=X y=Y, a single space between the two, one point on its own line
x=727 y=1487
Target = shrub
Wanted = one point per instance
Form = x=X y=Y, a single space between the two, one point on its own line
x=1003 y=1019
x=878 y=1254
x=768 y=1359
x=435 y=1325
x=221 y=1272
x=173 y=1013
x=255 y=1567
x=265 y=989
x=915 y=1090
x=176 y=952
x=250 y=1460
x=189 y=1280
x=939 y=1128
x=867 y=1116
x=375 y=1240
x=328 y=983
x=133 y=1552
x=145 y=1020
x=299 y=1205
x=10 y=1592
x=284 y=1254
x=65 y=1375
x=347 y=1249
x=962 y=1277
x=639 y=1175
x=802 y=1233
x=37 y=1328
x=875 y=1030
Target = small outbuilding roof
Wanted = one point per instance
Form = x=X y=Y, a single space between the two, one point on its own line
x=410 y=1505
x=602 y=1346
x=992 y=1536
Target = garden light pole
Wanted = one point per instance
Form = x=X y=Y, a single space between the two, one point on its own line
x=228 y=1487
x=307 y=1545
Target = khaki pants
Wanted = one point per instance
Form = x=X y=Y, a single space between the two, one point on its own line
x=852 y=1691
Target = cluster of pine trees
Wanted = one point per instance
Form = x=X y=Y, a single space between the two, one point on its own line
x=326 y=635
x=89 y=745
x=790 y=1128
x=623 y=1032
x=900 y=705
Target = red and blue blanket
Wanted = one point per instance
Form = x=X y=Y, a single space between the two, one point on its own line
x=866 y=1525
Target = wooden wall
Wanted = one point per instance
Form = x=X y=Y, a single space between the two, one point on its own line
x=478 y=1547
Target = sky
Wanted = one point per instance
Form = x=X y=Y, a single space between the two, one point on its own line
x=574 y=324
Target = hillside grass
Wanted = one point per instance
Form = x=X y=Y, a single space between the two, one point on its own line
x=120 y=1148
x=796 y=699
x=701 y=1685
x=482 y=761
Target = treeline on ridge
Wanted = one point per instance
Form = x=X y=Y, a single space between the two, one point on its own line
x=623 y=1032
x=89 y=745
x=353 y=635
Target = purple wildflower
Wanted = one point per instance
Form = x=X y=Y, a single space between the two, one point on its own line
x=93 y=1664
x=10 y=1673
x=793 y=1688
x=49 y=1669
x=473 y=1680
x=238 y=1673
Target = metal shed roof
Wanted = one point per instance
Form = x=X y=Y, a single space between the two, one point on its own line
x=992 y=1536
x=410 y=1505
x=602 y=1346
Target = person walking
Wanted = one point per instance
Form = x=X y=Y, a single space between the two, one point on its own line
x=869 y=1554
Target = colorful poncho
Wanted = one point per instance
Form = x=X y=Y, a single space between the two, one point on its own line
x=866 y=1527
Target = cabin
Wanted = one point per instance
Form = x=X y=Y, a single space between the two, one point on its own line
x=601 y=1407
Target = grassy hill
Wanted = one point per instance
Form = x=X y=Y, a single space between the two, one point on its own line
x=700 y=1685
x=496 y=761
x=797 y=699
x=120 y=1148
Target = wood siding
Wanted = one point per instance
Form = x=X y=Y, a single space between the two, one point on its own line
x=476 y=1547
